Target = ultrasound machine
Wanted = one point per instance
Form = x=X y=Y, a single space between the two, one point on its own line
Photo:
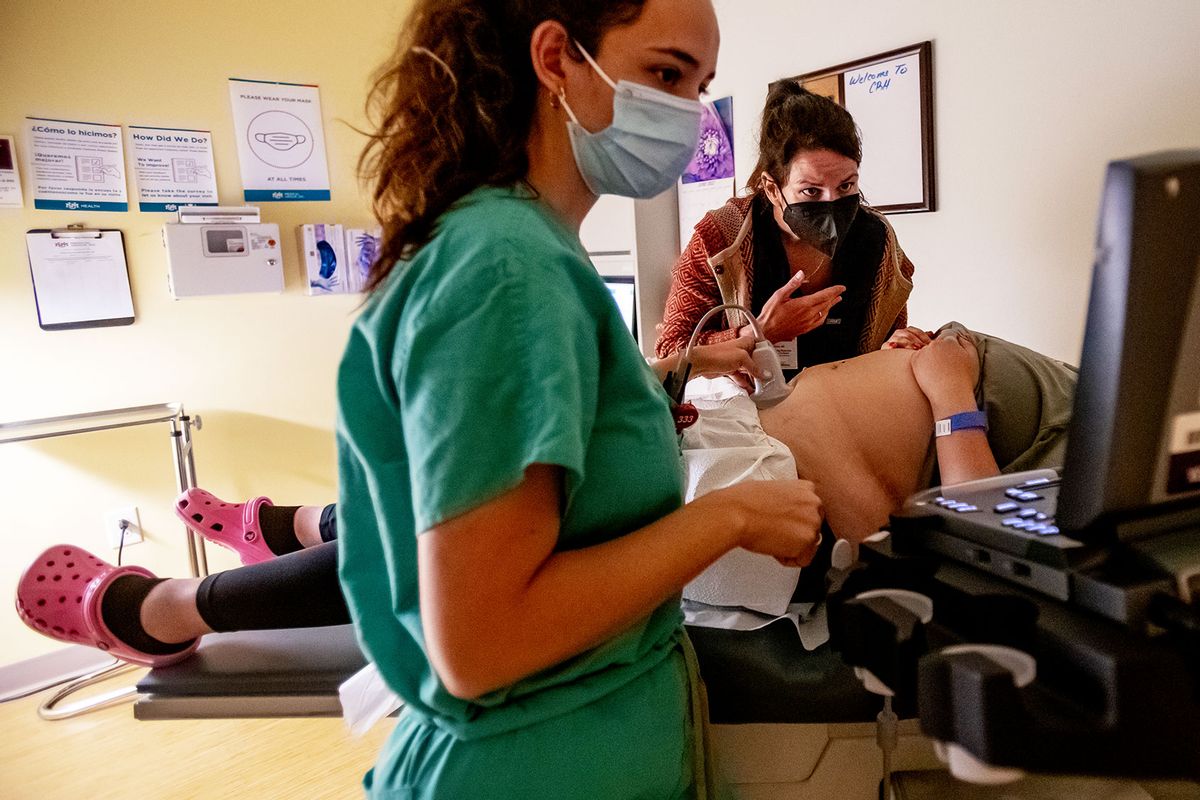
x=1065 y=635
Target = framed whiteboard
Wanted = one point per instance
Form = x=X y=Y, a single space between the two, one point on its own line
x=890 y=96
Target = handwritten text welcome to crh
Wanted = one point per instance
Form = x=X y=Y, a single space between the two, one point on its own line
x=879 y=81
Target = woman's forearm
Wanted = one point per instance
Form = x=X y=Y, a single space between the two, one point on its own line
x=497 y=608
x=964 y=455
x=947 y=369
x=581 y=598
x=721 y=358
x=662 y=366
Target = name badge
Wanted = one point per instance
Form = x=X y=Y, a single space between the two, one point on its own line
x=787 y=354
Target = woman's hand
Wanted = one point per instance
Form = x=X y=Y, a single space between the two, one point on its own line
x=730 y=358
x=784 y=317
x=947 y=370
x=725 y=358
x=909 y=338
x=781 y=519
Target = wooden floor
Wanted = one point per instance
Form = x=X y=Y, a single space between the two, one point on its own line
x=109 y=754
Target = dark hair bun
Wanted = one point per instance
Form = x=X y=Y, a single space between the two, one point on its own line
x=795 y=120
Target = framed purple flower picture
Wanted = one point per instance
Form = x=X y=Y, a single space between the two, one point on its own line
x=714 y=153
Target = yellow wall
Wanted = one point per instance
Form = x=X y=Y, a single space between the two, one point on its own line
x=258 y=368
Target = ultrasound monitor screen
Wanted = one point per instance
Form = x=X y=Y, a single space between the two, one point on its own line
x=1133 y=451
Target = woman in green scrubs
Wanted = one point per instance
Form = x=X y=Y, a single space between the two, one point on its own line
x=512 y=537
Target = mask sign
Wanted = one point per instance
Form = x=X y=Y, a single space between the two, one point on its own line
x=280 y=140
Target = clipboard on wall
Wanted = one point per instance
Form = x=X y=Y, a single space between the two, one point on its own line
x=80 y=278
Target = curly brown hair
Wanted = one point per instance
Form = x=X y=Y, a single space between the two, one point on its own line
x=793 y=120
x=452 y=109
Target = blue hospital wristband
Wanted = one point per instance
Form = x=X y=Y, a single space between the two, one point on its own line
x=967 y=420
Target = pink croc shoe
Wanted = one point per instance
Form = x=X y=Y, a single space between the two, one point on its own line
x=59 y=596
x=232 y=525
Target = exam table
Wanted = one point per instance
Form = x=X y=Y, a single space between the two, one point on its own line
x=273 y=673
x=787 y=724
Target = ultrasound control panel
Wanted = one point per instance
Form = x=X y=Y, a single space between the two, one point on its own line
x=1014 y=513
x=1006 y=526
x=1021 y=508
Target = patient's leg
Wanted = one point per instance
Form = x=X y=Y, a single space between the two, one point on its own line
x=153 y=621
x=300 y=590
x=257 y=530
x=316 y=525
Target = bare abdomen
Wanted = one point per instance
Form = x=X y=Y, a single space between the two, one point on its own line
x=860 y=430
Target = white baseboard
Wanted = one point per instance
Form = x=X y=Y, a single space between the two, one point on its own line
x=32 y=675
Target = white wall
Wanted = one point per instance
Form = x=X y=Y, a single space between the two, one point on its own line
x=1032 y=98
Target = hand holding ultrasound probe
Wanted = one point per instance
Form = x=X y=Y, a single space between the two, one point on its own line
x=769 y=385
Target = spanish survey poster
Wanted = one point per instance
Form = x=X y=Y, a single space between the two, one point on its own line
x=172 y=167
x=10 y=176
x=76 y=166
x=708 y=180
x=280 y=140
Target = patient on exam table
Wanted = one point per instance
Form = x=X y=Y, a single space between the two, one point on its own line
x=860 y=429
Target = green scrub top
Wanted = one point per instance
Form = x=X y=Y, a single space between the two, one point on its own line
x=495 y=347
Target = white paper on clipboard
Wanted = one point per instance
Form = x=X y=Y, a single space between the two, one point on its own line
x=79 y=278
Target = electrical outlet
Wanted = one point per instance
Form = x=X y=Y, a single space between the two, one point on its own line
x=112 y=526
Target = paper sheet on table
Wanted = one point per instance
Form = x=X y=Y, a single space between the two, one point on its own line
x=726 y=446
x=812 y=625
x=366 y=699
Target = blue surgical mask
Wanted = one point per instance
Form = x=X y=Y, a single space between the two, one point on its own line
x=643 y=152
